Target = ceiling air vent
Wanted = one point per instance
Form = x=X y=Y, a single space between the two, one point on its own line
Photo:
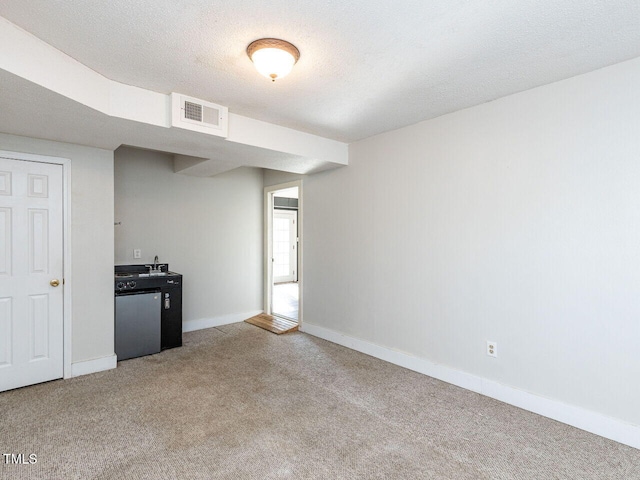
x=198 y=115
x=193 y=111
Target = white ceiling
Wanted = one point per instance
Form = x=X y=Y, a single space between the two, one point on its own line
x=287 y=192
x=366 y=66
x=64 y=120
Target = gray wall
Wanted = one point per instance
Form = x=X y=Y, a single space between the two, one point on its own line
x=516 y=221
x=91 y=241
x=208 y=229
x=275 y=177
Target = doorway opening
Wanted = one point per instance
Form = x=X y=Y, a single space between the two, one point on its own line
x=283 y=211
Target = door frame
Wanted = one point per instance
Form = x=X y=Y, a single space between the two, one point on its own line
x=268 y=244
x=66 y=245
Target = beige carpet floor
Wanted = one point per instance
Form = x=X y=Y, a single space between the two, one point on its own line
x=237 y=402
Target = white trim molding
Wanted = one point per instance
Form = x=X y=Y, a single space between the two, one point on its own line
x=202 y=323
x=268 y=244
x=94 y=365
x=581 y=418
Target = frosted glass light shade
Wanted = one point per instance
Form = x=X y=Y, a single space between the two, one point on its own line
x=273 y=63
x=273 y=58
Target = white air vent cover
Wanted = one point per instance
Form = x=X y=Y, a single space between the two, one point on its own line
x=198 y=115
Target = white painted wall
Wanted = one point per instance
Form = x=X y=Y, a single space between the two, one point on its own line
x=91 y=241
x=208 y=229
x=516 y=221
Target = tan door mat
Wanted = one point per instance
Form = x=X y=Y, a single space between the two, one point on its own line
x=273 y=324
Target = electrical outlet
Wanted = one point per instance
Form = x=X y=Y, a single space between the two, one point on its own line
x=137 y=253
x=492 y=349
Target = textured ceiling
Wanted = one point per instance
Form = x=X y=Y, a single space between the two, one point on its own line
x=365 y=67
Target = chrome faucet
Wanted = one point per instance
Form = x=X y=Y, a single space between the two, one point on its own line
x=155 y=263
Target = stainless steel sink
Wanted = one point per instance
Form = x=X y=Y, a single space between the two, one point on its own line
x=153 y=274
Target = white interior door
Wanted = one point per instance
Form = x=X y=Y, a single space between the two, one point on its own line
x=285 y=246
x=31 y=269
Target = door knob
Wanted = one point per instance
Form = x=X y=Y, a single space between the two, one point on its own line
x=55 y=282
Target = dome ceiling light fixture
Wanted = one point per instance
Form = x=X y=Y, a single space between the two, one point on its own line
x=272 y=57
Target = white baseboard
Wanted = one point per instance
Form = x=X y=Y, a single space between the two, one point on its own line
x=93 y=366
x=200 y=323
x=578 y=417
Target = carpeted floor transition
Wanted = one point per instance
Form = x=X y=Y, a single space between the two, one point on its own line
x=237 y=402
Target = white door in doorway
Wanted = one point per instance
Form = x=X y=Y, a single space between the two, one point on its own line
x=285 y=246
x=31 y=268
